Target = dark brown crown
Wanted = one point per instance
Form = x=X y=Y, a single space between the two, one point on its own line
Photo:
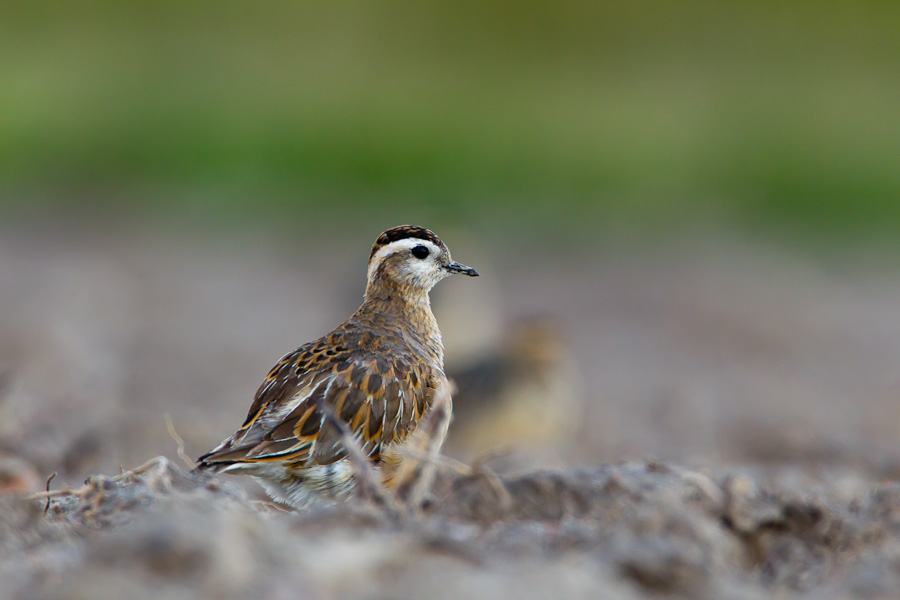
x=403 y=232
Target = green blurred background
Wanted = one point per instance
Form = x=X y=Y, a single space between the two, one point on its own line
x=607 y=119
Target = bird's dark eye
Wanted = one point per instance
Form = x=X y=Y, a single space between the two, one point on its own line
x=420 y=252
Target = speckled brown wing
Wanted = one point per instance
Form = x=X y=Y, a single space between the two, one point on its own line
x=369 y=382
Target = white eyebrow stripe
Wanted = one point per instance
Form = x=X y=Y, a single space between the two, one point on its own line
x=404 y=244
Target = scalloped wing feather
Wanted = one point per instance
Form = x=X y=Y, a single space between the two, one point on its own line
x=378 y=397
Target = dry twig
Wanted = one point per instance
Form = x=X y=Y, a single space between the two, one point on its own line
x=178 y=440
x=415 y=476
x=47 y=490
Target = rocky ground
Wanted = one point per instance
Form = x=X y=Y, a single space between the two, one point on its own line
x=763 y=386
x=626 y=531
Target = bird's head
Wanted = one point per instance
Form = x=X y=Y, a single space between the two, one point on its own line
x=411 y=257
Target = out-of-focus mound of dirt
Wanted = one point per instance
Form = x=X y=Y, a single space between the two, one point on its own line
x=625 y=531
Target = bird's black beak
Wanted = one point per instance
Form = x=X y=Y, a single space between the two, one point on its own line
x=455 y=267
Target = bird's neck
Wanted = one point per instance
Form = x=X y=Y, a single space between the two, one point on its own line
x=410 y=308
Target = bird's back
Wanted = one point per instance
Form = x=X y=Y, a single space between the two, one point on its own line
x=365 y=373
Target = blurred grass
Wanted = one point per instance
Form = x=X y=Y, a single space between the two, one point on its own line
x=645 y=115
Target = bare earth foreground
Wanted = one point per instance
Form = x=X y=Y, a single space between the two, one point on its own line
x=764 y=388
x=622 y=531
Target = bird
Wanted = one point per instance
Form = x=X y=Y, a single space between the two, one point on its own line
x=374 y=376
x=525 y=396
